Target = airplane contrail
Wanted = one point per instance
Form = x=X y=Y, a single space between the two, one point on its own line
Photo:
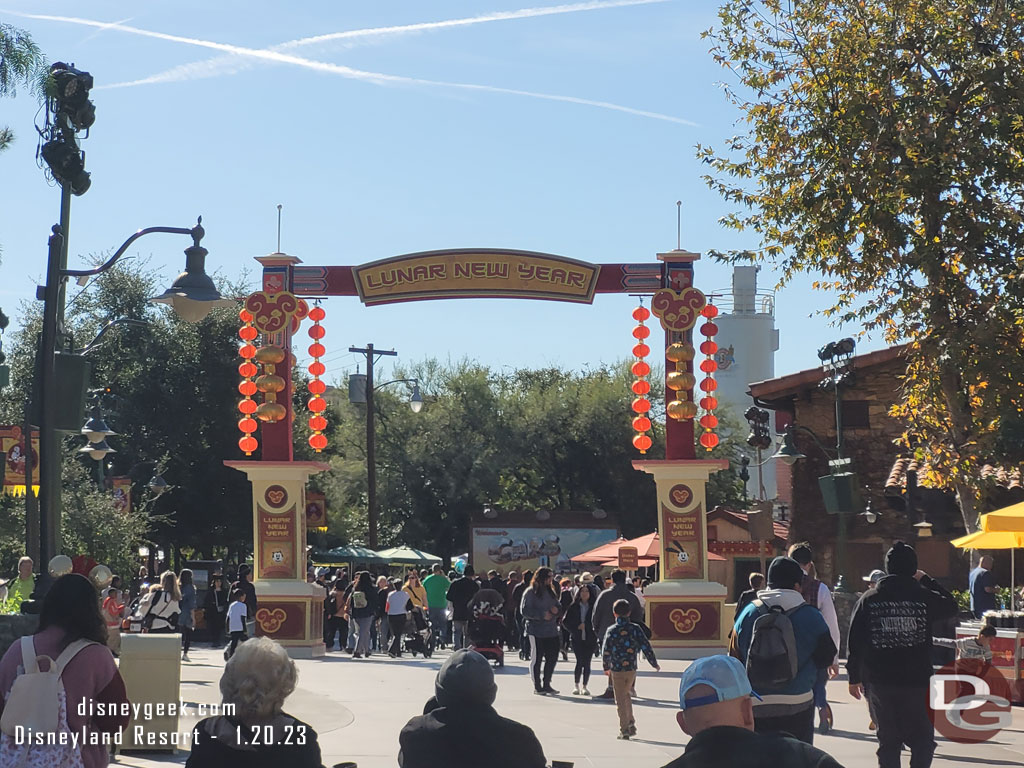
x=230 y=65
x=378 y=78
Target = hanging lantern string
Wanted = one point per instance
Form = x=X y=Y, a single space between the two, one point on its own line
x=709 y=421
x=316 y=403
x=641 y=386
x=247 y=387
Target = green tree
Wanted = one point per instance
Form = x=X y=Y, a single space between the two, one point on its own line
x=885 y=152
x=21 y=64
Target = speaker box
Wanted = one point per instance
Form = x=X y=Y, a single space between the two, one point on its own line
x=72 y=380
x=841 y=493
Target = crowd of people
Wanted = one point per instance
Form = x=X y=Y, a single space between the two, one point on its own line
x=753 y=707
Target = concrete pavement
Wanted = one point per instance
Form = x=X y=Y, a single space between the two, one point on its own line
x=358 y=708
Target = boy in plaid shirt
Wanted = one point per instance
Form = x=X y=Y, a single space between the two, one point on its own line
x=623 y=642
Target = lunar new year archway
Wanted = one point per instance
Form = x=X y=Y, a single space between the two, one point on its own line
x=684 y=609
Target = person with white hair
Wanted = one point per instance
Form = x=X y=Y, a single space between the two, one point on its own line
x=256 y=682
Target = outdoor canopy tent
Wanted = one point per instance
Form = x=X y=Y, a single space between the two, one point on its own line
x=408 y=556
x=1002 y=537
x=349 y=555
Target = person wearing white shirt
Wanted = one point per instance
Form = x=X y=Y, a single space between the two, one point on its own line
x=397 y=605
x=818 y=594
x=237 y=613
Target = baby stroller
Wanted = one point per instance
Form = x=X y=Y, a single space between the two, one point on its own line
x=417 y=633
x=487 y=628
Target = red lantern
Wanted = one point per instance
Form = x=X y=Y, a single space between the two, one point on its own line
x=709 y=329
x=709 y=421
x=245 y=316
x=641 y=332
x=317 y=387
x=708 y=347
x=247 y=406
x=248 y=351
x=708 y=385
x=247 y=425
x=709 y=365
x=248 y=370
x=641 y=423
x=709 y=440
x=640 y=368
x=641 y=313
x=641 y=405
x=248 y=444
x=709 y=403
x=641 y=387
x=641 y=350
x=642 y=442
x=248 y=333
x=247 y=388
x=709 y=311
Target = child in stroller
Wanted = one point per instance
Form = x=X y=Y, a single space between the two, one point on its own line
x=417 y=633
x=487 y=625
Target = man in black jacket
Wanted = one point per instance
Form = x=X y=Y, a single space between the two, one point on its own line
x=460 y=727
x=460 y=593
x=715 y=699
x=890 y=649
x=756 y=581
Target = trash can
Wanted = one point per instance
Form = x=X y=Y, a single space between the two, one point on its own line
x=151 y=668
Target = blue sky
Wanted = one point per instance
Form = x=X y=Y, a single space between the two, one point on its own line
x=230 y=123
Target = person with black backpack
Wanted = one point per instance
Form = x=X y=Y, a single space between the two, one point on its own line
x=783 y=642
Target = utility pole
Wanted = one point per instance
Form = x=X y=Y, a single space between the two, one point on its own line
x=371 y=448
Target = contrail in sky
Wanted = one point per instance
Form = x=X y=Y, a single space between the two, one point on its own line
x=378 y=78
x=230 y=65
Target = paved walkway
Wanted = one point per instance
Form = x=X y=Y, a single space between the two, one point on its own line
x=377 y=696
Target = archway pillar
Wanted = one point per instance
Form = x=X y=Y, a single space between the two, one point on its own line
x=290 y=610
x=684 y=610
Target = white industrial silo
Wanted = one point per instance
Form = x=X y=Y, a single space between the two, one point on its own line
x=747 y=342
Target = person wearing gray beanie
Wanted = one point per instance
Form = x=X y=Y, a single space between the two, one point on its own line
x=890 y=647
x=460 y=727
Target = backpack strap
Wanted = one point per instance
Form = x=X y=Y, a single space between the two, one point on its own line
x=70 y=652
x=28 y=655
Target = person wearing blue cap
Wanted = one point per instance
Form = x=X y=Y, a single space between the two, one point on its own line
x=716 y=705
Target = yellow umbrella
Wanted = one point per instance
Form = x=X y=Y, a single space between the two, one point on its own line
x=1006 y=519
x=988 y=539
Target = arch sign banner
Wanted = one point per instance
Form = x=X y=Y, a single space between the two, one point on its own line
x=475 y=273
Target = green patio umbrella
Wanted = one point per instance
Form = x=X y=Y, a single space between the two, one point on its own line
x=408 y=556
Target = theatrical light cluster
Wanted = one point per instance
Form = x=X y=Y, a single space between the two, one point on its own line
x=708 y=366
x=641 y=386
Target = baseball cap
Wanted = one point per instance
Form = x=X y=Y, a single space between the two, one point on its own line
x=875 y=575
x=587 y=578
x=724 y=674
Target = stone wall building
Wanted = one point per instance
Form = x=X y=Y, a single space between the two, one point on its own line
x=868 y=440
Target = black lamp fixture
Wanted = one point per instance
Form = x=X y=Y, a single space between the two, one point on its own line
x=193 y=294
x=157 y=485
x=788 y=453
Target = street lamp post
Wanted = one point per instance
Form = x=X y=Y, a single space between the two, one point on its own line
x=415 y=402
x=192 y=296
x=837 y=358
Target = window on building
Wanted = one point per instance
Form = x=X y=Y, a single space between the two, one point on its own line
x=855 y=414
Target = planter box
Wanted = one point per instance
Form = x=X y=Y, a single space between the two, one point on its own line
x=15 y=626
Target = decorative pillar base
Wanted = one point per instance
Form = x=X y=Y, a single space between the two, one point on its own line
x=290 y=610
x=687 y=618
x=684 y=610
